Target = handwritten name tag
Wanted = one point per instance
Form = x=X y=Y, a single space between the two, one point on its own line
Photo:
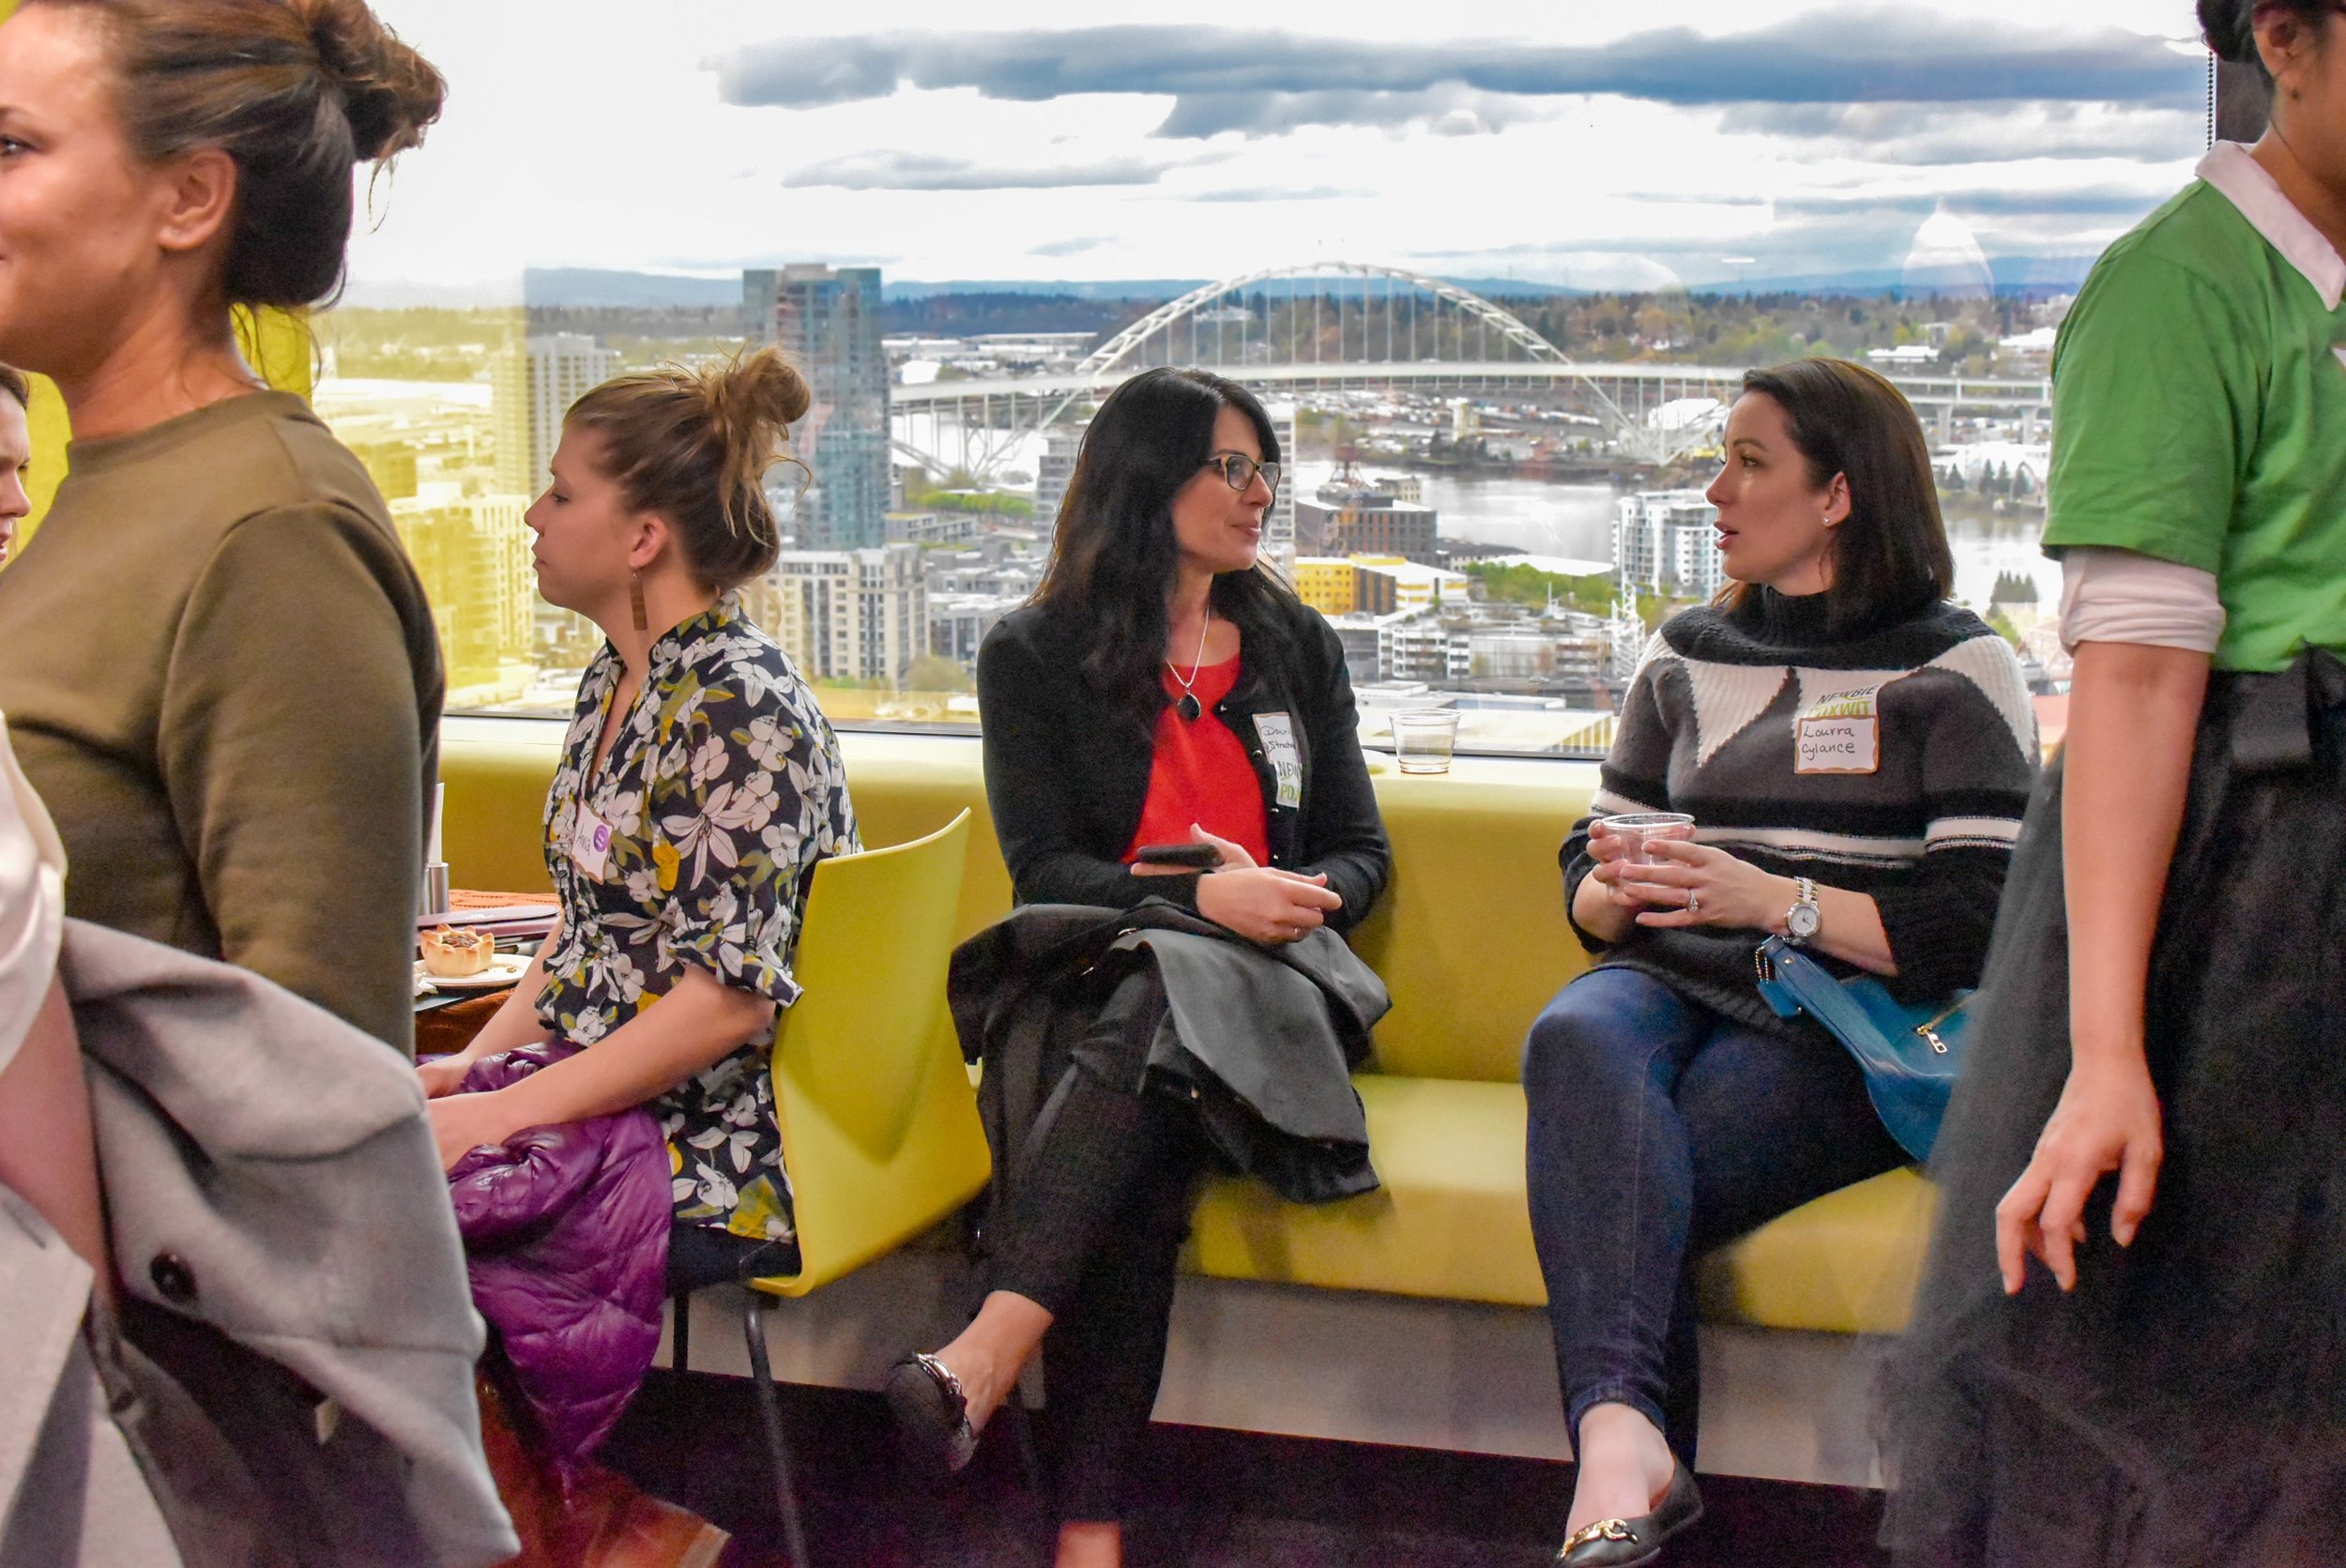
x=590 y=843
x=1840 y=733
x=1286 y=758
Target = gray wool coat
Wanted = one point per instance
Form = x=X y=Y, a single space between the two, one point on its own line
x=291 y=1366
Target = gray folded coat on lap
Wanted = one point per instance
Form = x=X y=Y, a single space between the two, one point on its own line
x=1266 y=1035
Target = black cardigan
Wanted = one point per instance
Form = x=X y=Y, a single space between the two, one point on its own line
x=1066 y=776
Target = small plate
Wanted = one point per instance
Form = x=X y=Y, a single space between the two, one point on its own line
x=505 y=969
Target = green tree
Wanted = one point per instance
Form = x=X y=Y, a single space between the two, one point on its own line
x=933 y=671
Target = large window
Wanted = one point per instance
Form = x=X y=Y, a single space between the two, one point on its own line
x=1494 y=267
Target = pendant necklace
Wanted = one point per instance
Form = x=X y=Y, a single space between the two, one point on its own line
x=1188 y=707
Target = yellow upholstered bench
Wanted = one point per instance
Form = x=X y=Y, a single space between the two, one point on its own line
x=1471 y=938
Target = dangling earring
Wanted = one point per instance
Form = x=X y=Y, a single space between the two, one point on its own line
x=635 y=602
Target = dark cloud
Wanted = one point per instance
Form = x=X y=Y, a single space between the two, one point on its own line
x=911 y=170
x=1450 y=109
x=1921 y=135
x=1821 y=236
x=1262 y=82
x=1069 y=247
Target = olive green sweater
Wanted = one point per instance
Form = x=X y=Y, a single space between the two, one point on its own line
x=221 y=676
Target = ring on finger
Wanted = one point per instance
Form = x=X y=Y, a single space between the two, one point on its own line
x=1694 y=902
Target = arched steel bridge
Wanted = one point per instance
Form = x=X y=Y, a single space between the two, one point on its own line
x=1382 y=317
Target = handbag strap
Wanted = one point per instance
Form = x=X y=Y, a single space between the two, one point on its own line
x=1791 y=982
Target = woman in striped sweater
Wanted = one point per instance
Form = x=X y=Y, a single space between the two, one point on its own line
x=1856 y=753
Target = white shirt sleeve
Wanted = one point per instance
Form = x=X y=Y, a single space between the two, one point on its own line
x=32 y=902
x=2122 y=596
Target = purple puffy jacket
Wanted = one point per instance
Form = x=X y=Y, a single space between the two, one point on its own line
x=566 y=1238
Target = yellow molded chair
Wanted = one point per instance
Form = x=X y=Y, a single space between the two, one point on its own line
x=880 y=1135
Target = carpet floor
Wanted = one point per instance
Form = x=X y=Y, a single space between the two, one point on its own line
x=1208 y=1499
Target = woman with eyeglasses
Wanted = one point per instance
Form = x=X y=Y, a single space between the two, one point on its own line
x=1164 y=697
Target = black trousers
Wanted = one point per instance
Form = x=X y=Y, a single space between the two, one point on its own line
x=700 y=1256
x=1091 y=1232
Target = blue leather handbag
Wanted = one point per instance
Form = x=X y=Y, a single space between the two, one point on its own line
x=1910 y=1055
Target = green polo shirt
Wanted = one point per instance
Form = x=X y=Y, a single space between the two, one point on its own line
x=2200 y=415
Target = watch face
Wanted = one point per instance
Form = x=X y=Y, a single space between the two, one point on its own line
x=1802 y=920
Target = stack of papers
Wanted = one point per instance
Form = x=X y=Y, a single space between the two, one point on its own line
x=527 y=922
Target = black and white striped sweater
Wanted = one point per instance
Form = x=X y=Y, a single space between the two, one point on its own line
x=1716 y=722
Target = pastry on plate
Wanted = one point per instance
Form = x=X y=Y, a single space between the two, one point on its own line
x=453 y=954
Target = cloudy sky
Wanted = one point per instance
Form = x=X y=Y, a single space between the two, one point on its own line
x=1564 y=140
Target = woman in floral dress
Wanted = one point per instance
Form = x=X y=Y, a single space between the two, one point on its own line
x=699 y=786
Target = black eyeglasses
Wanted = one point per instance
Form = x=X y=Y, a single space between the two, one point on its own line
x=1238 y=470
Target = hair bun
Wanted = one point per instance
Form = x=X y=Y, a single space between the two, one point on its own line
x=390 y=92
x=756 y=398
x=2229 y=28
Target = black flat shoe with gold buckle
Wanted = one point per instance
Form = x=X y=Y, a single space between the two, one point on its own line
x=1634 y=1543
x=931 y=1414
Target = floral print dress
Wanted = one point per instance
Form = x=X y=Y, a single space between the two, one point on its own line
x=694 y=844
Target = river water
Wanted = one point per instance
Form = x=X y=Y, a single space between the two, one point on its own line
x=1576 y=520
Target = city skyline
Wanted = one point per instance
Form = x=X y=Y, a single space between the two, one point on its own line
x=1787 y=140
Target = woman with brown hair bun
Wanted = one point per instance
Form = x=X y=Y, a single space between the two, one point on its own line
x=699 y=786
x=223 y=674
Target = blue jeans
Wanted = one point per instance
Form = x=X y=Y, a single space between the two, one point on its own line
x=1660 y=1130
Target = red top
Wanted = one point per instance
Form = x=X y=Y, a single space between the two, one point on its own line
x=1201 y=773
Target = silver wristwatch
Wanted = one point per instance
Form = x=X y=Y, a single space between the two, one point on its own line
x=1804 y=919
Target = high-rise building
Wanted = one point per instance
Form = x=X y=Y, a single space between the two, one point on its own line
x=1053 y=469
x=1278 y=524
x=1358 y=520
x=828 y=321
x=846 y=615
x=1412 y=645
x=958 y=622
x=534 y=387
x=473 y=557
x=1663 y=542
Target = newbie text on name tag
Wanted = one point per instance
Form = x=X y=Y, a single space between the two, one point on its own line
x=591 y=843
x=1286 y=758
x=1840 y=733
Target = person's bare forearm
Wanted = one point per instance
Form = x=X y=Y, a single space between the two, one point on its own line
x=48 y=1153
x=696 y=1024
x=1596 y=911
x=2133 y=711
x=1849 y=928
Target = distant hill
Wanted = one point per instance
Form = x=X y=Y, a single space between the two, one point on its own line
x=1122 y=288
x=590 y=288
x=2011 y=275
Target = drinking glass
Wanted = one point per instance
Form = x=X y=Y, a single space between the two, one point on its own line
x=1422 y=739
x=1641 y=829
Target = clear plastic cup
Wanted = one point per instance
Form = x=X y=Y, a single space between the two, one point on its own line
x=1641 y=829
x=1424 y=739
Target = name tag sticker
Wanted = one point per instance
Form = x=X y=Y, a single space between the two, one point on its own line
x=1840 y=733
x=1286 y=758
x=591 y=843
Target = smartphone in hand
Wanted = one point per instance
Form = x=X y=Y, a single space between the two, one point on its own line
x=1196 y=857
